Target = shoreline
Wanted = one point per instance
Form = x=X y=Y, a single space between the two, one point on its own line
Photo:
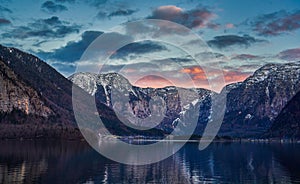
x=250 y=140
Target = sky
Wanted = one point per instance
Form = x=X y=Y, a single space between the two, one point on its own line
x=237 y=37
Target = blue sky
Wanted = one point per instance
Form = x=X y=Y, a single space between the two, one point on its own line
x=244 y=35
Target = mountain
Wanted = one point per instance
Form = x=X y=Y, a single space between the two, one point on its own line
x=17 y=97
x=134 y=103
x=287 y=123
x=36 y=101
x=33 y=96
x=251 y=107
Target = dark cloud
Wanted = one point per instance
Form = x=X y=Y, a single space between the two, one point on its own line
x=209 y=55
x=276 y=23
x=38 y=44
x=195 y=18
x=4 y=21
x=51 y=7
x=122 y=12
x=96 y=3
x=65 y=1
x=290 y=55
x=73 y=50
x=138 y=48
x=213 y=26
x=225 y=41
x=101 y=15
x=246 y=57
x=66 y=69
x=47 y=28
x=4 y=9
x=182 y=60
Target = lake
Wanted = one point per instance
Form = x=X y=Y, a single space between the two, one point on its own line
x=76 y=162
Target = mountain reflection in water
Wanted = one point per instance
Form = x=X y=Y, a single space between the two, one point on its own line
x=76 y=162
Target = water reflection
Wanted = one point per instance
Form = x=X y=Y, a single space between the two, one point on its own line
x=76 y=162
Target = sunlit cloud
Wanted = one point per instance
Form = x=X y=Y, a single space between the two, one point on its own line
x=290 y=54
x=276 y=23
x=195 y=18
x=229 y=26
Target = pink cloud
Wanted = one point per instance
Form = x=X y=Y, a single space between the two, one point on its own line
x=153 y=81
x=195 y=18
x=290 y=54
x=196 y=78
x=229 y=26
x=277 y=23
x=230 y=76
x=168 y=12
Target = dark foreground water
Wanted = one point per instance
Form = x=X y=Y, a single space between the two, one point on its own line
x=75 y=162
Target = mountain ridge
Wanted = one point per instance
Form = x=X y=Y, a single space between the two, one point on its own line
x=252 y=105
x=265 y=93
x=52 y=90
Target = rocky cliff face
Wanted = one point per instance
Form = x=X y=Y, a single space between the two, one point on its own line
x=15 y=95
x=287 y=123
x=35 y=100
x=140 y=105
x=49 y=85
x=253 y=105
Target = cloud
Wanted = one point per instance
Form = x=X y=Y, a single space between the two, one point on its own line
x=290 y=55
x=4 y=10
x=66 y=68
x=65 y=1
x=229 y=26
x=101 y=15
x=73 y=50
x=153 y=81
x=195 y=18
x=276 y=23
x=131 y=68
x=4 y=21
x=246 y=57
x=138 y=48
x=207 y=56
x=230 y=76
x=196 y=72
x=155 y=28
x=235 y=76
x=180 y=60
x=214 y=26
x=51 y=7
x=225 y=41
x=122 y=12
x=46 y=28
x=96 y=3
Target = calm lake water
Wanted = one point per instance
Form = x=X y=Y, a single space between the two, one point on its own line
x=75 y=162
